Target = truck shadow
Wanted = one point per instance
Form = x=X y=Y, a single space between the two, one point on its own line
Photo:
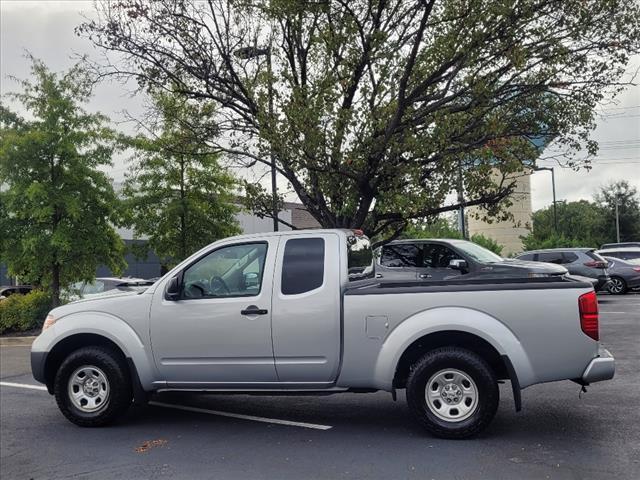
x=372 y=415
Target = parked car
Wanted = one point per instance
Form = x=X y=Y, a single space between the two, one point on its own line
x=579 y=261
x=620 y=245
x=626 y=253
x=625 y=275
x=279 y=312
x=450 y=259
x=9 y=290
x=105 y=286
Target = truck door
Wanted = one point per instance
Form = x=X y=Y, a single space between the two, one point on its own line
x=306 y=308
x=435 y=263
x=398 y=262
x=219 y=330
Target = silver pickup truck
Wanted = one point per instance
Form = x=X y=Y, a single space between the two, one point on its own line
x=299 y=311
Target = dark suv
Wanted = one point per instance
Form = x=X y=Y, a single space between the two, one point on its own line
x=444 y=259
x=579 y=261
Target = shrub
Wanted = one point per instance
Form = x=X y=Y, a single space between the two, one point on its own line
x=19 y=313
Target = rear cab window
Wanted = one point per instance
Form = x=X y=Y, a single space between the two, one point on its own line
x=302 y=265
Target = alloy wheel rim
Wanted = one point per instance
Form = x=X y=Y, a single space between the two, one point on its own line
x=451 y=395
x=615 y=285
x=89 y=389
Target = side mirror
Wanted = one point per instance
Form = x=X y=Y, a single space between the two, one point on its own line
x=251 y=280
x=173 y=289
x=458 y=264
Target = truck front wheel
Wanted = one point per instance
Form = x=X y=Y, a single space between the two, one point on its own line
x=452 y=392
x=92 y=386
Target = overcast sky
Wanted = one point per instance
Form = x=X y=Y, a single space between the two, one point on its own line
x=45 y=28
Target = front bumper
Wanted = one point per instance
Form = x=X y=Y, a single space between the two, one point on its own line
x=38 y=362
x=602 y=367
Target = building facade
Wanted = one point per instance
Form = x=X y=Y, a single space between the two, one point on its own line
x=508 y=233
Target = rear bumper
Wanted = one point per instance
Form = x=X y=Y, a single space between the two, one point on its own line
x=602 y=367
x=603 y=280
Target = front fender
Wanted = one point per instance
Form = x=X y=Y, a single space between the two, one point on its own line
x=105 y=325
x=459 y=319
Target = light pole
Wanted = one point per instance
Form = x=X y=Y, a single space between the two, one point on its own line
x=553 y=187
x=247 y=53
x=617 y=220
x=461 y=222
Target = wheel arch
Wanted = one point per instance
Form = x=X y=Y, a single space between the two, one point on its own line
x=95 y=328
x=448 y=338
x=69 y=344
x=452 y=326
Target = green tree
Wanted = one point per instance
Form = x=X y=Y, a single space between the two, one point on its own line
x=580 y=224
x=488 y=243
x=57 y=208
x=628 y=201
x=440 y=227
x=370 y=106
x=177 y=194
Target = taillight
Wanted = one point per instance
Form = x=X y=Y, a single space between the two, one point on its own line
x=595 y=264
x=636 y=269
x=588 y=306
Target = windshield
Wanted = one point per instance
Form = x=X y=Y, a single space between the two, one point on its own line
x=477 y=252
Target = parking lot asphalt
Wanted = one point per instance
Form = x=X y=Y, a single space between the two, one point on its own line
x=557 y=434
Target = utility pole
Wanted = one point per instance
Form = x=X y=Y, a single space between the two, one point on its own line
x=553 y=187
x=272 y=157
x=246 y=53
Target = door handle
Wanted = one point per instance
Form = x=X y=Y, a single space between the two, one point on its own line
x=424 y=275
x=253 y=310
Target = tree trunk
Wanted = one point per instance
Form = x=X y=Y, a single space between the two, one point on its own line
x=55 y=285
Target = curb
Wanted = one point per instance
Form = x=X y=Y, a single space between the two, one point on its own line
x=16 y=341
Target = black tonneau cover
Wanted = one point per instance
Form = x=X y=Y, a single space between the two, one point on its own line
x=377 y=287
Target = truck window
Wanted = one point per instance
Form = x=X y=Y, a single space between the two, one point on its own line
x=400 y=255
x=359 y=258
x=551 y=257
x=302 y=265
x=233 y=271
x=438 y=256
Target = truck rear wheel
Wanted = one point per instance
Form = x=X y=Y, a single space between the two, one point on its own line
x=452 y=392
x=92 y=386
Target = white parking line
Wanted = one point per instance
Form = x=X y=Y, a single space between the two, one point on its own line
x=23 y=385
x=276 y=421
x=243 y=417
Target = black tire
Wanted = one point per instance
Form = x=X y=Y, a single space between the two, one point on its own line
x=114 y=367
x=470 y=364
x=617 y=286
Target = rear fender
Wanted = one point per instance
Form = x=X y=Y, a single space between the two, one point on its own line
x=459 y=319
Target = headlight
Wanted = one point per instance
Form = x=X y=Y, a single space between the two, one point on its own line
x=50 y=320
